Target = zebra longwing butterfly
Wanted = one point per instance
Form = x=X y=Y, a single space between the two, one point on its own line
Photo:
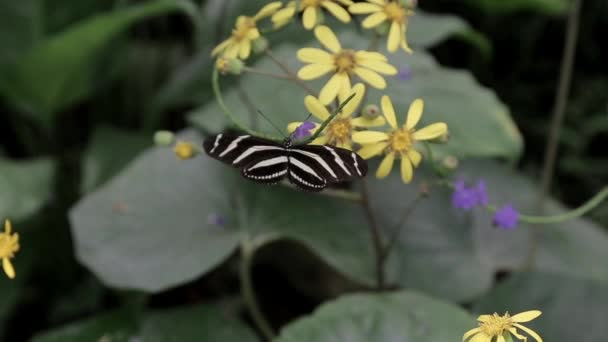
x=309 y=167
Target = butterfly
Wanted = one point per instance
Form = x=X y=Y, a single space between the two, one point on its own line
x=309 y=167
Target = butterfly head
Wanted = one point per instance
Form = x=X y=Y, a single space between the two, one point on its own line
x=288 y=142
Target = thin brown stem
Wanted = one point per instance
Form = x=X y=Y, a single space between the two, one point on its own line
x=267 y=73
x=399 y=227
x=246 y=100
x=376 y=234
x=289 y=72
x=557 y=120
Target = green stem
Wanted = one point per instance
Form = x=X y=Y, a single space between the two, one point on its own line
x=248 y=293
x=376 y=234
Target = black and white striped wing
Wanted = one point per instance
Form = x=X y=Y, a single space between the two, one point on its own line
x=313 y=167
x=259 y=159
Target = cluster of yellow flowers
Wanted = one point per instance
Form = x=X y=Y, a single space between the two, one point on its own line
x=9 y=245
x=344 y=66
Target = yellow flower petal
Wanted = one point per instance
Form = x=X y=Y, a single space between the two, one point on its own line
x=312 y=71
x=367 y=123
x=364 y=55
x=470 y=333
x=371 y=77
x=328 y=39
x=337 y=10
x=415 y=157
x=364 y=8
x=378 y=2
x=404 y=45
x=268 y=10
x=220 y=47
x=284 y=15
x=330 y=90
x=431 y=131
x=8 y=268
x=381 y=67
x=526 y=316
x=372 y=150
x=345 y=2
x=394 y=37
x=312 y=55
x=514 y=332
x=388 y=111
x=231 y=51
x=385 y=166
x=353 y=104
x=529 y=331
x=345 y=145
x=481 y=337
x=374 y=20
x=322 y=140
x=414 y=113
x=407 y=172
x=316 y=108
x=252 y=34
x=500 y=339
x=8 y=227
x=484 y=318
x=244 y=50
x=345 y=88
x=369 y=137
x=309 y=19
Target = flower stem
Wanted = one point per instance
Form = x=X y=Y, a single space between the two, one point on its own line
x=399 y=226
x=376 y=234
x=289 y=73
x=266 y=73
x=248 y=293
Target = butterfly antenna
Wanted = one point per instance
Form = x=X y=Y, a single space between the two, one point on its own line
x=271 y=123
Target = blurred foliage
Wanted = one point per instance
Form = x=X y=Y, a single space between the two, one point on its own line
x=84 y=84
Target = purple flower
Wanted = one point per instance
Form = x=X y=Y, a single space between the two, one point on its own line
x=405 y=73
x=506 y=217
x=469 y=198
x=216 y=220
x=303 y=130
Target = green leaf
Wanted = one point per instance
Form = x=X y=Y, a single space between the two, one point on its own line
x=24 y=187
x=20 y=28
x=113 y=326
x=197 y=323
x=109 y=151
x=426 y=30
x=549 y=7
x=574 y=309
x=65 y=68
x=400 y=316
x=442 y=89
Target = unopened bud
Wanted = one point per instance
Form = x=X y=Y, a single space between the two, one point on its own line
x=164 y=138
x=259 y=45
x=383 y=28
x=371 y=111
x=184 y=150
x=229 y=66
x=450 y=162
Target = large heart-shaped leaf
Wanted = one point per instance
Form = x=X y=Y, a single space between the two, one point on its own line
x=24 y=186
x=574 y=309
x=20 y=28
x=112 y=326
x=400 y=316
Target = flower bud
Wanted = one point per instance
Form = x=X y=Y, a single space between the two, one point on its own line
x=443 y=139
x=371 y=111
x=383 y=28
x=450 y=162
x=229 y=66
x=184 y=150
x=163 y=138
x=409 y=3
x=259 y=45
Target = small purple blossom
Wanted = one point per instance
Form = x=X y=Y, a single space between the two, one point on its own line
x=405 y=73
x=469 y=198
x=303 y=130
x=506 y=217
x=216 y=220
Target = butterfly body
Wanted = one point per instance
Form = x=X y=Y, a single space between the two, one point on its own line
x=309 y=167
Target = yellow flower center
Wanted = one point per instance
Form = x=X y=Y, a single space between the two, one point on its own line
x=496 y=325
x=339 y=131
x=345 y=61
x=8 y=246
x=311 y=3
x=395 y=12
x=242 y=28
x=401 y=140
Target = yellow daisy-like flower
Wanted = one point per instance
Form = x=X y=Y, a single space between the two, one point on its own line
x=244 y=33
x=283 y=16
x=495 y=326
x=184 y=150
x=310 y=9
x=400 y=142
x=344 y=64
x=9 y=245
x=339 y=131
x=390 y=11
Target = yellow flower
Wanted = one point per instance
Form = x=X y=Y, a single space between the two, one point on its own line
x=9 y=245
x=390 y=11
x=339 y=131
x=491 y=326
x=400 y=142
x=344 y=64
x=284 y=15
x=184 y=150
x=244 y=33
x=310 y=9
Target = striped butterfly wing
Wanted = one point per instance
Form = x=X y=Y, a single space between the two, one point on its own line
x=260 y=160
x=313 y=167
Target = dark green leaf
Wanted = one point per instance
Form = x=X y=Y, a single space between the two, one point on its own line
x=550 y=7
x=113 y=326
x=20 y=28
